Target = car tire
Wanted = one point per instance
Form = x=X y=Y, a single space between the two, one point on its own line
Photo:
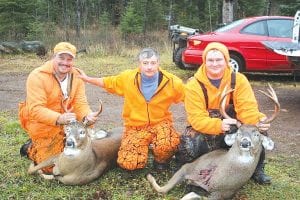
x=237 y=63
x=178 y=57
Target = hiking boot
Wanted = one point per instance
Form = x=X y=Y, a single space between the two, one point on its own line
x=25 y=147
x=259 y=175
x=161 y=166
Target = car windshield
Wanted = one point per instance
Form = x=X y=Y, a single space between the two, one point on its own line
x=230 y=26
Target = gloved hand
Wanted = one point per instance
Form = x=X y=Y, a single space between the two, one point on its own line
x=65 y=118
x=226 y=123
x=232 y=129
x=91 y=118
x=263 y=127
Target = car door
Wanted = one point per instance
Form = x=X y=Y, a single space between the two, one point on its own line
x=279 y=30
x=253 y=51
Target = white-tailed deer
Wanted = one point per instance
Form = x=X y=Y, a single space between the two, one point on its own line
x=85 y=156
x=221 y=173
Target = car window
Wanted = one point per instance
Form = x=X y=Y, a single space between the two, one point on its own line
x=256 y=28
x=230 y=26
x=280 y=28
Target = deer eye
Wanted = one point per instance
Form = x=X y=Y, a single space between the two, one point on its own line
x=67 y=130
x=82 y=132
x=256 y=133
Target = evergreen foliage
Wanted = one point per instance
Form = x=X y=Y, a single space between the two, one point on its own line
x=28 y=19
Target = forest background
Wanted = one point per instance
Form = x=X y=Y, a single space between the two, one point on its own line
x=109 y=26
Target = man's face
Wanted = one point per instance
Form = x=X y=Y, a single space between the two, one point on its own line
x=63 y=63
x=215 y=64
x=149 y=66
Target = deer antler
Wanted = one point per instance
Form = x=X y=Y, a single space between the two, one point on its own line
x=223 y=103
x=272 y=95
x=86 y=121
x=100 y=108
x=64 y=105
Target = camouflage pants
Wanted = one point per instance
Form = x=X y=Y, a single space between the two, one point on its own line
x=133 y=153
x=193 y=144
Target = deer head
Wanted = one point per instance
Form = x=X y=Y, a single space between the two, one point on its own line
x=266 y=141
x=77 y=133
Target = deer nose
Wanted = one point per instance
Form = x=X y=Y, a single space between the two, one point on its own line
x=245 y=143
x=70 y=143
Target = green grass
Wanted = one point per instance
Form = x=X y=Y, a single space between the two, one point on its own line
x=117 y=184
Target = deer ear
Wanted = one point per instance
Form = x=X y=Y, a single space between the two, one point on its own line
x=230 y=139
x=267 y=143
x=96 y=135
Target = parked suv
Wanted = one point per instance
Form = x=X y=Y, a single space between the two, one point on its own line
x=244 y=40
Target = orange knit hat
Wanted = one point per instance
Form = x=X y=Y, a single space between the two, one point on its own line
x=218 y=46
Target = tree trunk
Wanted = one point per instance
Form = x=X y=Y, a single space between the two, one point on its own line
x=78 y=17
x=269 y=5
x=145 y=17
x=65 y=19
x=227 y=11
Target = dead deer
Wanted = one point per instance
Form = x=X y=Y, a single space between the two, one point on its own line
x=84 y=159
x=221 y=173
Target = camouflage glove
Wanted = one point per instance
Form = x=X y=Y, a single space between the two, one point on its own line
x=263 y=127
x=233 y=129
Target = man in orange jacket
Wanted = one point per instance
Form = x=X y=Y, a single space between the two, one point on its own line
x=202 y=98
x=42 y=115
x=148 y=93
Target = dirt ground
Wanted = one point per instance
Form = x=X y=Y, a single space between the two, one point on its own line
x=285 y=130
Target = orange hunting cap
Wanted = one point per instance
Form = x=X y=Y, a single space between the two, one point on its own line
x=65 y=47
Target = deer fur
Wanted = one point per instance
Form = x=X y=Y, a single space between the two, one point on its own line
x=83 y=159
x=222 y=172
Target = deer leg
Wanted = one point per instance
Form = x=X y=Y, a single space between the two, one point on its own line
x=46 y=176
x=34 y=168
x=177 y=178
x=82 y=177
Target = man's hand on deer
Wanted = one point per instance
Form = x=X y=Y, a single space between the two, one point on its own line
x=65 y=118
x=91 y=118
x=226 y=124
x=263 y=127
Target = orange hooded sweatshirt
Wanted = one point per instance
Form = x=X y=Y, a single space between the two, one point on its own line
x=243 y=97
x=43 y=101
x=137 y=111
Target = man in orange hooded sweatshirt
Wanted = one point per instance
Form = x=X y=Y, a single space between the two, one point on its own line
x=42 y=115
x=202 y=98
x=148 y=93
